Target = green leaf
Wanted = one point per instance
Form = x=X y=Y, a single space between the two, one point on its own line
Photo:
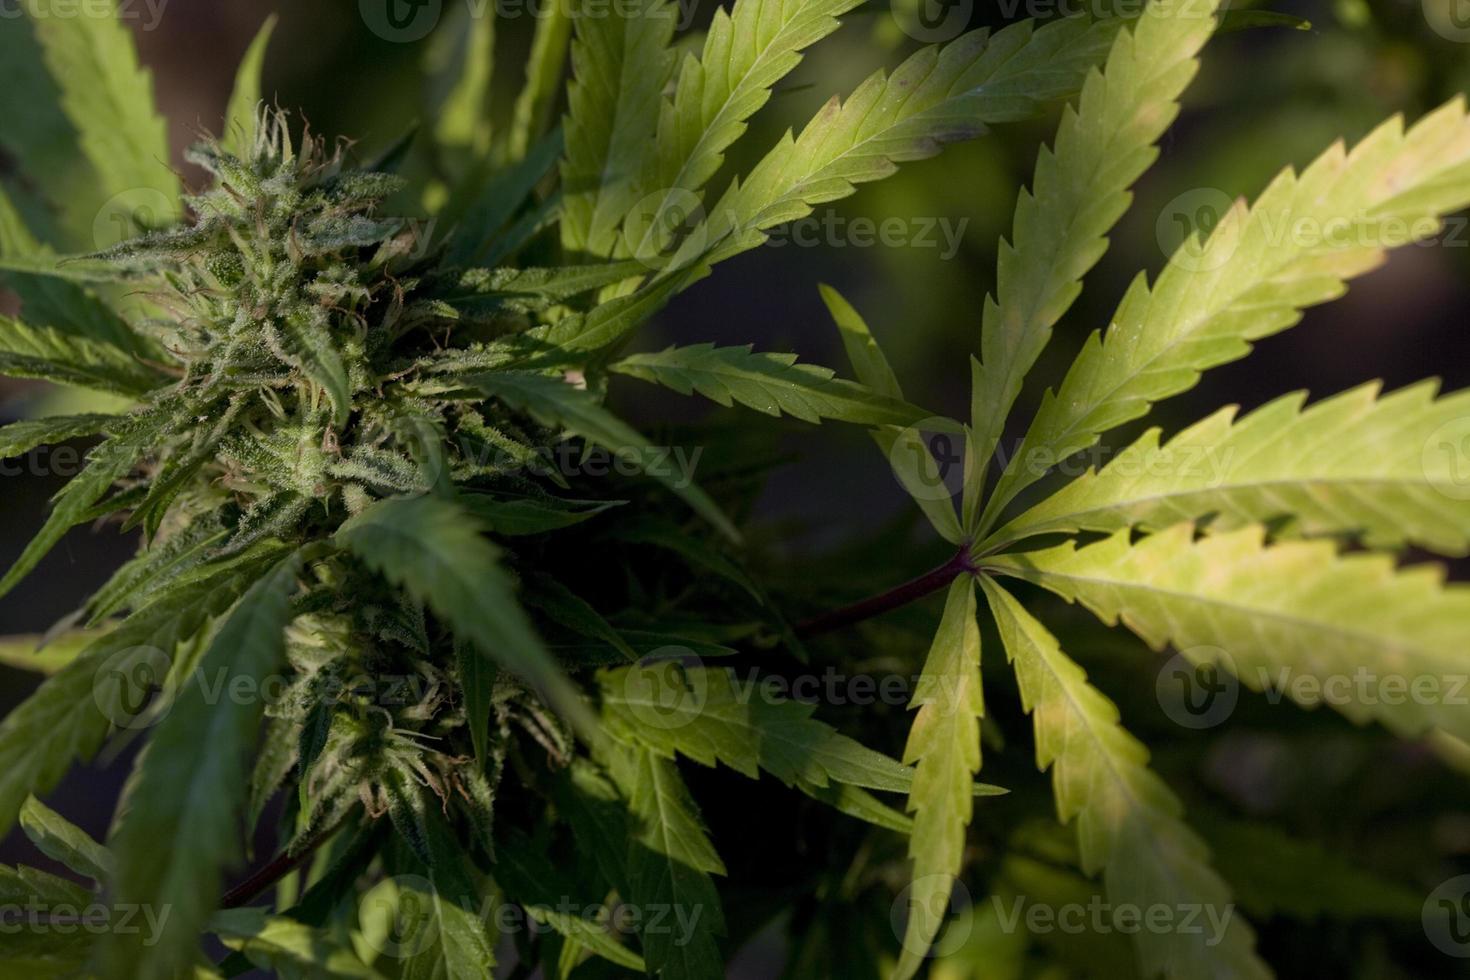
x=944 y=745
x=57 y=186
x=69 y=715
x=51 y=355
x=61 y=840
x=45 y=654
x=1352 y=464
x=1129 y=824
x=610 y=322
x=1251 y=278
x=462 y=120
x=907 y=453
x=290 y=949
x=43 y=954
x=708 y=716
x=106 y=464
x=158 y=566
x=21 y=437
x=768 y=383
x=435 y=550
x=746 y=52
x=1248 y=20
x=246 y=98
x=181 y=809
x=597 y=817
x=544 y=67
x=487 y=290
x=578 y=412
x=1279 y=616
x=304 y=341
x=485 y=203
x=43 y=264
x=109 y=99
x=860 y=805
x=869 y=362
x=621 y=62
x=477 y=685
x=463 y=948
x=530 y=878
x=570 y=611
x=1080 y=191
x=521 y=516
x=670 y=860
x=938 y=96
x=51 y=291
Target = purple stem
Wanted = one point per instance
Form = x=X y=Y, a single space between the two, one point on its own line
x=926 y=584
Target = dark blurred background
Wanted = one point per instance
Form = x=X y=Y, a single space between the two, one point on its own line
x=1266 y=98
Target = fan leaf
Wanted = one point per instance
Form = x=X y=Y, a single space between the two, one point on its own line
x=1129 y=823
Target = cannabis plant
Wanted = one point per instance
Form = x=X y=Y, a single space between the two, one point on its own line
x=414 y=602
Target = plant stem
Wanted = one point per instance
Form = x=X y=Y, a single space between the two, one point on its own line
x=279 y=867
x=926 y=584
